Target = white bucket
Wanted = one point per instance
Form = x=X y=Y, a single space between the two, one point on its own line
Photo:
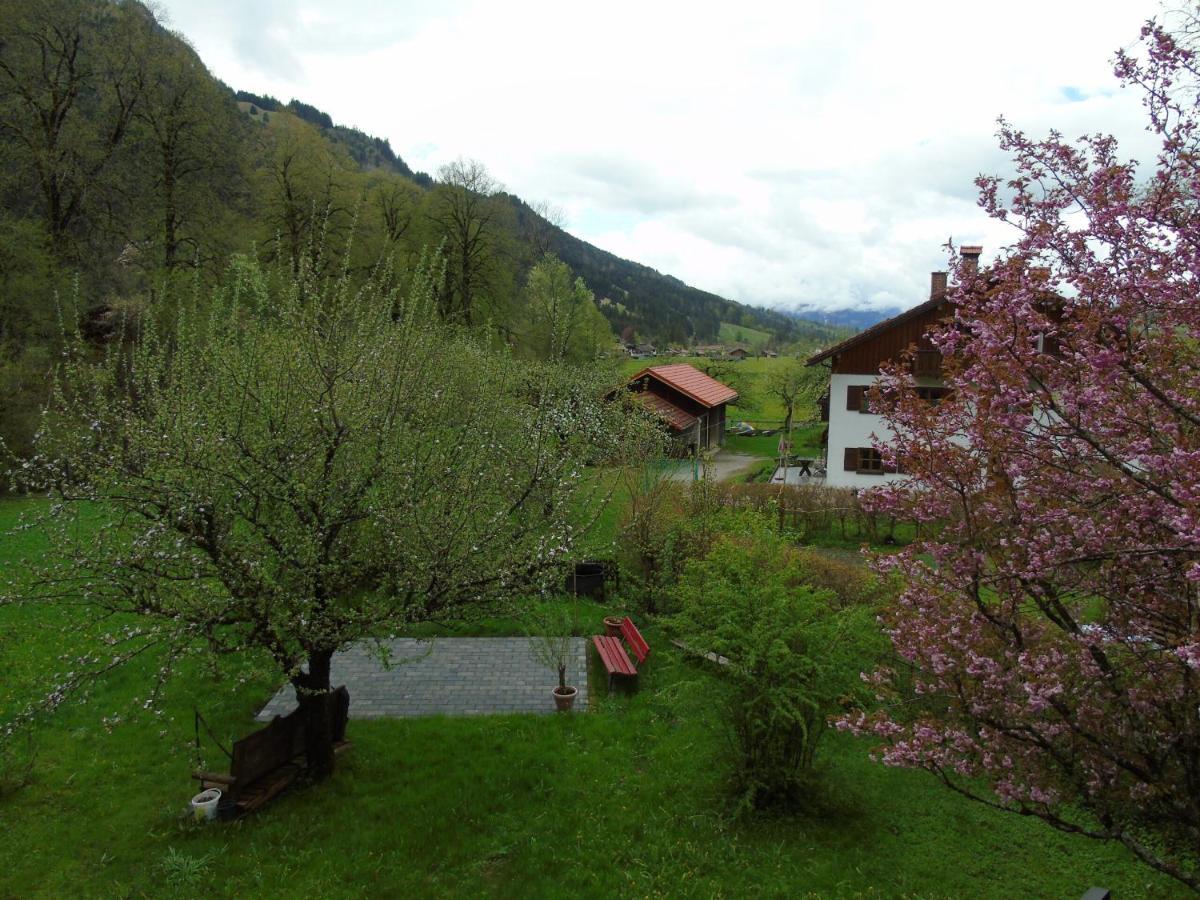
x=204 y=804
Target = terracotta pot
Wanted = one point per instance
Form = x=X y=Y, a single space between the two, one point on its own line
x=612 y=625
x=564 y=698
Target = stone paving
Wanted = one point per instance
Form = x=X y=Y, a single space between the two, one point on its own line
x=447 y=676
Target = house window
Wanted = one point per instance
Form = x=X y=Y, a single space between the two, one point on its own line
x=864 y=460
x=869 y=461
x=933 y=395
x=857 y=399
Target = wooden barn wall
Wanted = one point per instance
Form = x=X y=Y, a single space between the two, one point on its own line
x=867 y=357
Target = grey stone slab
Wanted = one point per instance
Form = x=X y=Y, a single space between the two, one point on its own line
x=446 y=676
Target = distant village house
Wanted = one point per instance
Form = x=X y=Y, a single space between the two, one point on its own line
x=641 y=351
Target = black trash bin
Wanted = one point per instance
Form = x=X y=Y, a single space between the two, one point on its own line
x=587 y=580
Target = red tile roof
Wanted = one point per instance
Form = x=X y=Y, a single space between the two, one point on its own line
x=677 y=418
x=691 y=381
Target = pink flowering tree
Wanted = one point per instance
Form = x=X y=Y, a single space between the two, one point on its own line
x=1048 y=638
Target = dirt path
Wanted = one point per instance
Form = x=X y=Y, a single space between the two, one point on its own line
x=725 y=466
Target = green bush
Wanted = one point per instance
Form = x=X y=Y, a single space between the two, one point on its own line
x=646 y=534
x=665 y=525
x=852 y=583
x=794 y=653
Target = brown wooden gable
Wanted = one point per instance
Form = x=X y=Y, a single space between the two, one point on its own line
x=864 y=353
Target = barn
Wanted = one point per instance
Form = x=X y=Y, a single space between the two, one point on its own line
x=690 y=403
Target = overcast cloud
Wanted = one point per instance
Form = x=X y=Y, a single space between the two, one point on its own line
x=778 y=154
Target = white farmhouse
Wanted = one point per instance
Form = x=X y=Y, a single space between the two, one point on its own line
x=854 y=364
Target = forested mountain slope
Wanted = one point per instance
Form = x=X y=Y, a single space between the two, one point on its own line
x=131 y=173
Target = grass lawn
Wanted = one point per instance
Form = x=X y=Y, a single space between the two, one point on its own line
x=806 y=441
x=626 y=799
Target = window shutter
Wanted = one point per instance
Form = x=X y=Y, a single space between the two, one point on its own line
x=850 y=463
x=854 y=397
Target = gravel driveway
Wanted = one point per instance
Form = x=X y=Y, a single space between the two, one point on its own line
x=725 y=466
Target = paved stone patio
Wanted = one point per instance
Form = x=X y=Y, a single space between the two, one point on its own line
x=447 y=676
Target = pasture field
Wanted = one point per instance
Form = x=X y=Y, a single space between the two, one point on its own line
x=751 y=338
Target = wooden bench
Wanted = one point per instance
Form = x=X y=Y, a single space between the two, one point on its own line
x=612 y=651
x=266 y=762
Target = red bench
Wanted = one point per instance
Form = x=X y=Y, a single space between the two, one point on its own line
x=612 y=651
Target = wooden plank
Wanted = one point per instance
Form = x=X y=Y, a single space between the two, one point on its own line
x=214 y=778
x=266 y=762
x=613 y=655
x=705 y=654
x=604 y=647
x=635 y=640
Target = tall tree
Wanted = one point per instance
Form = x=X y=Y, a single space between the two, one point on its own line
x=561 y=318
x=540 y=224
x=794 y=385
x=190 y=134
x=308 y=192
x=396 y=200
x=1050 y=622
x=293 y=468
x=71 y=77
x=466 y=210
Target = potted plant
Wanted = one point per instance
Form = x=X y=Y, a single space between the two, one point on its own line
x=612 y=625
x=550 y=642
x=204 y=804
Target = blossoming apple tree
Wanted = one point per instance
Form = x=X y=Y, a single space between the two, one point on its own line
x=295 y=464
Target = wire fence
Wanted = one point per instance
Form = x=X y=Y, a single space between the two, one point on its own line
x=810 y=511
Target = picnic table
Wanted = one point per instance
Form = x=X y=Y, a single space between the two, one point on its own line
x=807 y=465
x=804 y=464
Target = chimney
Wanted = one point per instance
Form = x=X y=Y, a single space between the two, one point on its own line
x=970 y=260
x=937 y=284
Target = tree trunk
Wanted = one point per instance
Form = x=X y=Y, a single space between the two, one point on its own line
x=170 y=235
x=313 y=693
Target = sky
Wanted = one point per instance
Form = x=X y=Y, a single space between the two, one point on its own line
x=799 y=154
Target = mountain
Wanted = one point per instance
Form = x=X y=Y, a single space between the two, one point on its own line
x=132 y=173
x=854 y=319
x=657 y=306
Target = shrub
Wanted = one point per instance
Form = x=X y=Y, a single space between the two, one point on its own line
x=666 y=524
x=851 y=581
x=645 y=535
x=794 y=655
